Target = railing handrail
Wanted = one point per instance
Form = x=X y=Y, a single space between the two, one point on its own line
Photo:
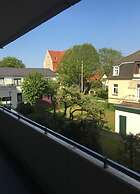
x=107 y=162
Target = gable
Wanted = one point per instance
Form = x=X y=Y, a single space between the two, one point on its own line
x=56 y=57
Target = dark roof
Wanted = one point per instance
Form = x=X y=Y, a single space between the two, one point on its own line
x=18 y=17
x=126 y=71
x=128 y=67
x=22 y=72
x=131 y=58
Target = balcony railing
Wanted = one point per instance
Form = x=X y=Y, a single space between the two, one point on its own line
x=106 y=162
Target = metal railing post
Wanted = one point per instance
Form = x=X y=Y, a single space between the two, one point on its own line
x=105 y=162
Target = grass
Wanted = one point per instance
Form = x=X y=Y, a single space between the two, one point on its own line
x=110 y=118
x=111 y=143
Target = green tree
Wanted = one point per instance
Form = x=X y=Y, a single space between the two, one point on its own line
x=109 y=57
x=71 y=65
x=87 y=118
x=52 y=90
x=90 y=109
x=11 y=62
x=33 y=87
x=68 y=96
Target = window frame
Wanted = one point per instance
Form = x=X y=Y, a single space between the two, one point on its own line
x=115 y=87
x=17 y=81
x=116 y=70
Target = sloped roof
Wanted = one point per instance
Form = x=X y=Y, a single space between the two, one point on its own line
x=131 y=58
x=126 y=72
x=22 y=72
x=95 y=76
x=56 y=57
x=18 y=17
x=128 y=67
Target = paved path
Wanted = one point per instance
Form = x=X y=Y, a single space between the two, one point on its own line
x=12 y=181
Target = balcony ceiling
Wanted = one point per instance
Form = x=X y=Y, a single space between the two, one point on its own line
x=18 y=17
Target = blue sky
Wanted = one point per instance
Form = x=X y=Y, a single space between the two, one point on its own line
x=112 y=24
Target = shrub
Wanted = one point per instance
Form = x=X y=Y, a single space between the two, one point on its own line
x=25 y=108
x=102 y=93
x=86 y=134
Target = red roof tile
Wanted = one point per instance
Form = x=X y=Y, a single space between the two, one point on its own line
x=95 y=76
x=56 y=58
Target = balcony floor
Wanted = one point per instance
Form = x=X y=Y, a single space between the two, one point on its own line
x=12 y=179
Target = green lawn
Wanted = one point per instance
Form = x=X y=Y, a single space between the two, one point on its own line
x=110 y=118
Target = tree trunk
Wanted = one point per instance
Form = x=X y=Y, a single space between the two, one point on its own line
x=65 y=109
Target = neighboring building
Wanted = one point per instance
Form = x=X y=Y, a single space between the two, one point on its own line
x=53 y=59
x=11 y=80
x=95 y=77
x=127 y=118
x=124 y=81
x=105 y=81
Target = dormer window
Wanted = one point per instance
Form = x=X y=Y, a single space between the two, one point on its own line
x=115 y=70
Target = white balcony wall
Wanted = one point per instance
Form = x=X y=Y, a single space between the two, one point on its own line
x=132 y=122
x=7 y=91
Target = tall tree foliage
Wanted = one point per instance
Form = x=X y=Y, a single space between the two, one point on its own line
x=52 y=91
x=33 y=87
x=70 y=67
x=11 y=62
x=109 y=57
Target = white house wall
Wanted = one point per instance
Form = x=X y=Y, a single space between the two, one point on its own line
x=48 y=61
x=127 y=91
x=6 y=91
x=10 y=80
x=8 y=88
x=132 y=122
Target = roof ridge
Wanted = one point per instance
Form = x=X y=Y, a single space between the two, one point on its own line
x=132 y=53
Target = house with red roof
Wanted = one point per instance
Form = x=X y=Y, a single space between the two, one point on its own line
x=53 y=59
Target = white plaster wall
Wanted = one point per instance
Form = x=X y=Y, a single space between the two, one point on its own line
x=10 y=80
x=127 y=91
x=132 y=122
x=9 y=91
x=48 y=61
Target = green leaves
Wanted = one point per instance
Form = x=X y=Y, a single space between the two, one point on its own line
x=33 y=87
x=109 y=57
x=11 y=62
x=70 y=67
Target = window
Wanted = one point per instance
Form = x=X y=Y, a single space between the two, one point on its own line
x=138 y=91
x=1 y=81
x=7 y=98
x=115 y=70
x=115 y=89
x=17 y=81
x=19 y=97
x=138 y=68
